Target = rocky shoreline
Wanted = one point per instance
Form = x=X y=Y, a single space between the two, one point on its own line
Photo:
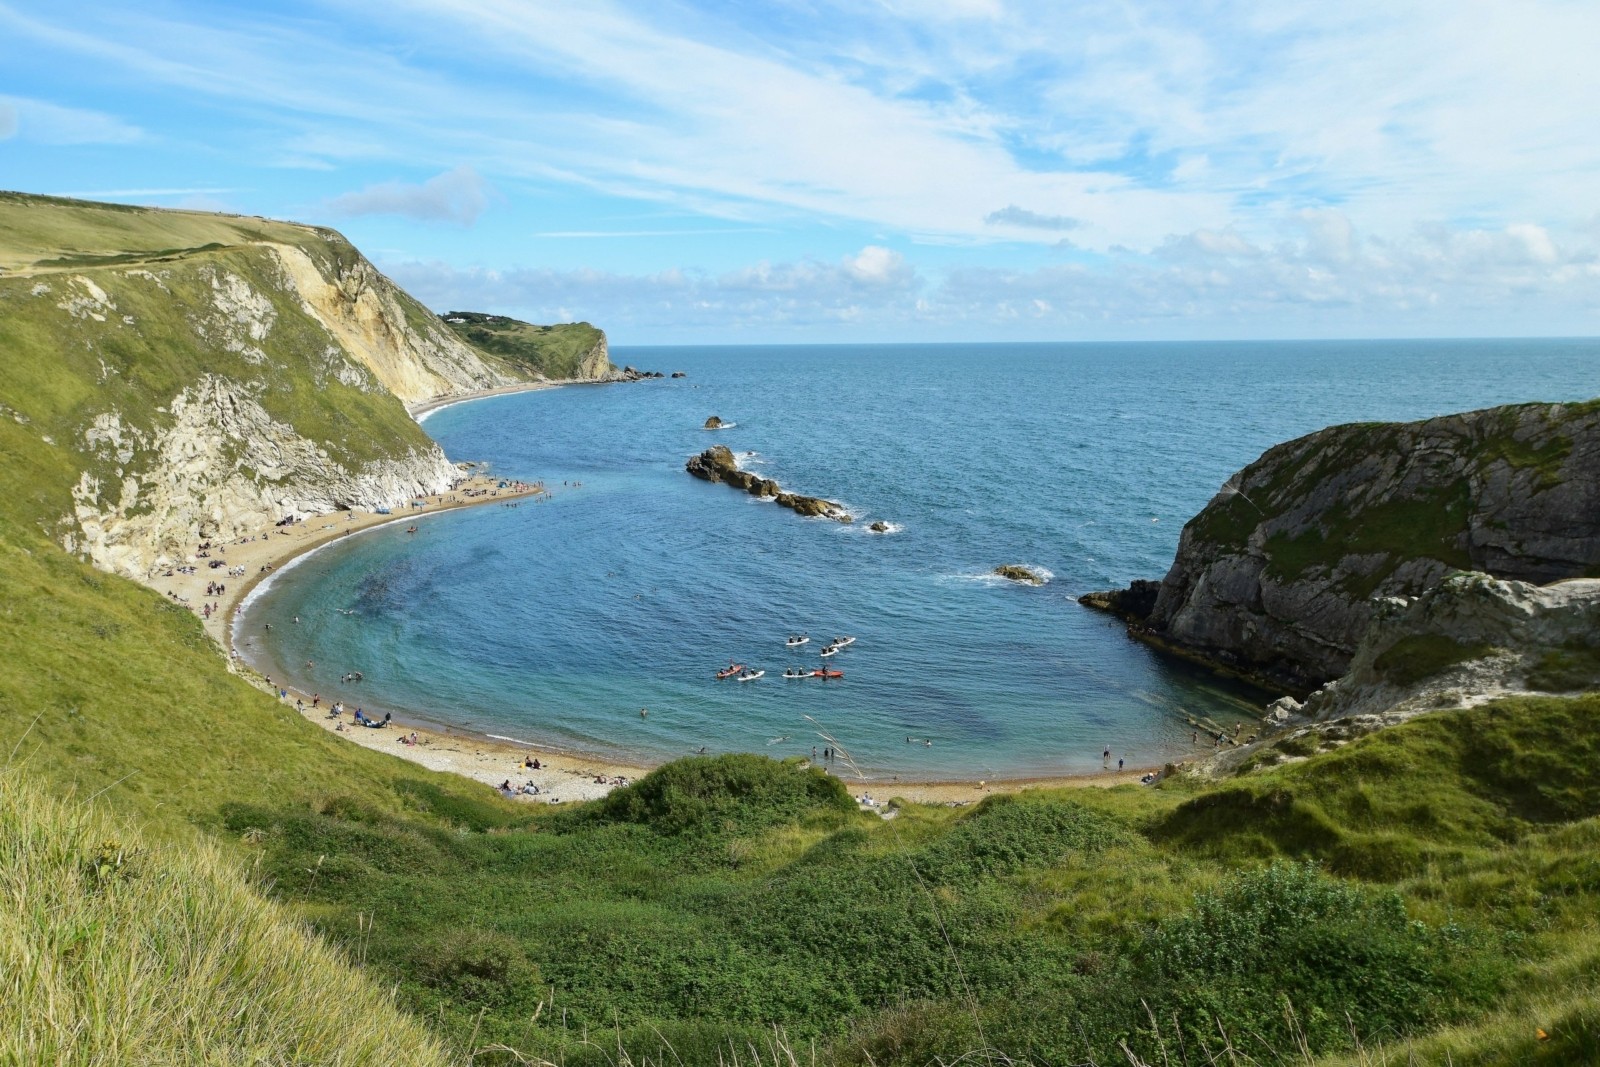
x=1280 y=575
x=1379 y=571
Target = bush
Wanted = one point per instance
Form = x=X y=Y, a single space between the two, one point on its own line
x=733 y=792
x=1289 y=937
x=480 y=968
x=1421 y=656
x=1566 y=670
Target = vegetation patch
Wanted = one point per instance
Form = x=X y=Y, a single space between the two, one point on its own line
x=558 y=351
x=1428 y=527
x=1418 y=657
x=1262 y=959
x=1567 y=670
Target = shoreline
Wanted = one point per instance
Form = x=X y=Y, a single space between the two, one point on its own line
x=563 y=775
x=423 y=408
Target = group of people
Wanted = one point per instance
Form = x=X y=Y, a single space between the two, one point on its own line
x=529 y=788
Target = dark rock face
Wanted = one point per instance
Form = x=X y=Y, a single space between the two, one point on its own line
x=716 y=464
x=1133 y=604
x=714 y=423
x=1279 y=575
x=631 y=374
x=679 y=374
x=879 y=527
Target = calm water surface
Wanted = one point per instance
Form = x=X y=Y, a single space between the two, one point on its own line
x=557 y=621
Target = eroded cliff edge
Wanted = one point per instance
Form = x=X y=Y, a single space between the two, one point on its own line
x=1283 y=572
x=172 y=376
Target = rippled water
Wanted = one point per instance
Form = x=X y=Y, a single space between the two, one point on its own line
x=558 y=621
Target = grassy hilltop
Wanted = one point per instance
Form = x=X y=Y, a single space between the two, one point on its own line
x=565 y=350
x=196 y=875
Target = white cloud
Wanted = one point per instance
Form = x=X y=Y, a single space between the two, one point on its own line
x=1332 y=281
x=459 y=196
x=45 y=123
x=880 y=266
x=1219 y=160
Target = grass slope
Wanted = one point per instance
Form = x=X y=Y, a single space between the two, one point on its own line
x=116 y=949
x=41 y=234
x=1439 y=874
x=565 y=350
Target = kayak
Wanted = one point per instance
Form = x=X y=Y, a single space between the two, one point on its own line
x=830 y=650
x=796 y=642
x=733 y=669
x=827 y=674
x=840 y=642
x=750 y=676
x=796 y=674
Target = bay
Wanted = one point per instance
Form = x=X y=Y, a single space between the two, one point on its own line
x=558 y=621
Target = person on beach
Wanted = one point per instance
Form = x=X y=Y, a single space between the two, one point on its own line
x=1119 y=763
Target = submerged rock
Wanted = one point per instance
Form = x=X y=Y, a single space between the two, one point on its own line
x=1017 y=573
x=714 y=423
x=879 y=527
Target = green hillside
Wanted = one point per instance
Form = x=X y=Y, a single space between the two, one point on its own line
x=565 y=350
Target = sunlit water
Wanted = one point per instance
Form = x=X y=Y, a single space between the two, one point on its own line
x=557 y=621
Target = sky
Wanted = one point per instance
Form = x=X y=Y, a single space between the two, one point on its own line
x=876 y=171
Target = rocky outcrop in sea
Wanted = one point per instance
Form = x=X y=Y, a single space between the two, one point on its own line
x=717 y=464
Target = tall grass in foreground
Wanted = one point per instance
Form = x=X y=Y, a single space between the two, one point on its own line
x=116 y=952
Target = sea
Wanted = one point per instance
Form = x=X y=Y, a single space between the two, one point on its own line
x=556 y=622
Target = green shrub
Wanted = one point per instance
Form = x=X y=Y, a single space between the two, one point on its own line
x=1339 y=955
x=1421 y=656
x=736 y=791
x=1566 y=670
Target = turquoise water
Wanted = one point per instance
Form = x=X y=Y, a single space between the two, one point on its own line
x=556 y=622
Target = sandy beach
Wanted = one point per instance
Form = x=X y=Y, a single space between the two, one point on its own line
x=438 y=403
x=562 y=775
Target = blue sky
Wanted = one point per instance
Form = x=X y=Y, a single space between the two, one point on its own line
x=877 y=171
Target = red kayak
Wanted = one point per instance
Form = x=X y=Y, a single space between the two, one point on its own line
x=733 y=669
x=827 y=674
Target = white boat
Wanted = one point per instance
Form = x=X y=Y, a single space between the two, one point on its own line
x=830 y=650
x=795 y=672
x=796 y=642
x=750 y=676
x=840 y=642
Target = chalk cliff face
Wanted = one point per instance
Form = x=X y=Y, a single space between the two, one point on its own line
x=1280 y=574
x=1469 y=638
x=222 y=468
x=183 y=376
x=407 y=348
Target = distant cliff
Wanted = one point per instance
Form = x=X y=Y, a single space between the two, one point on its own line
x=1279 y=576
x=171 y=376
x=568 y=351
